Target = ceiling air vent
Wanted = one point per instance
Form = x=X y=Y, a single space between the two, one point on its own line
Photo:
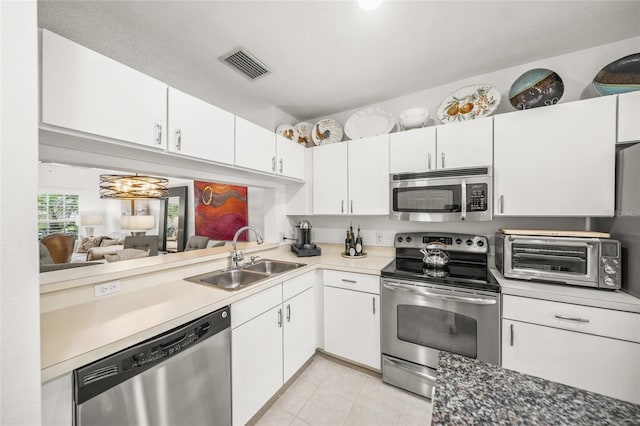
x=246 y=63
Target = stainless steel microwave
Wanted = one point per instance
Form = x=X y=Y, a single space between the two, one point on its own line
x=589 y=262
x=448 y=195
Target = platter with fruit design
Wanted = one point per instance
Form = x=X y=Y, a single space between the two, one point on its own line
x=468 y=103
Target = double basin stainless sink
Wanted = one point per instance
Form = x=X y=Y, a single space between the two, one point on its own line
x=237 y=278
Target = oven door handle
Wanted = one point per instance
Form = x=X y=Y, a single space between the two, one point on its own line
x=473 y=300
x=411 y=368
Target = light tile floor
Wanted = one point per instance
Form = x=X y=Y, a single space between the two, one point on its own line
x=329 y=393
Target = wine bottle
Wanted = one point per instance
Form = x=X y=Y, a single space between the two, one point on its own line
x=347 y=244
x=359 y=248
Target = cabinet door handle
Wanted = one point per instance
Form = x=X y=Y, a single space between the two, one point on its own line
x=280 y=318
x=349 y=281
x=501 y=199
x=159 y=132
x=511 y=334
x=442 y=160
x=373 y=299
x=572 y=319
x=289 y=312
x=281 y=165
x=429 y=161
x=351 y=206
x=273 y=163
x=342 y=207
x=178 y=139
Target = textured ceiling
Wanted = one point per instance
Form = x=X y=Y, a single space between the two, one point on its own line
x=331 y=56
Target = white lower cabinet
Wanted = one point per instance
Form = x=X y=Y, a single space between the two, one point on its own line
x=256 y=363
x=57 y=401
x=560 y=346
x=299 y=340
x=272 y=336
x=352 y=318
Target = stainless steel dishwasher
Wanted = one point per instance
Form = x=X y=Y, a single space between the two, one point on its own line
x=182 y=377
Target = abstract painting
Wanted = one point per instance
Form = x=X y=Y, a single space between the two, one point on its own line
x=220 y=210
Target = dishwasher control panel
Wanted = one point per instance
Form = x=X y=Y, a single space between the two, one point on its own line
x=167 y=349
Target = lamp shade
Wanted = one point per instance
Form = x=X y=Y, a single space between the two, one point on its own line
x=90 y=220
x=138 y=222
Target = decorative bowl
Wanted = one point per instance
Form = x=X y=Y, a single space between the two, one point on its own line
x=620 y=76
x=414 y=118
x=535 y=88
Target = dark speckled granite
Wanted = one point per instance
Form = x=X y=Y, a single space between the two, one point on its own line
x=472 y=392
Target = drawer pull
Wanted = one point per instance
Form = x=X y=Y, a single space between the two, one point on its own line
x=511 y=334
x=572 y=319
x=350 y=281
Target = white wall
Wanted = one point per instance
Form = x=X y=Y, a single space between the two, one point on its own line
x=576 y=69
x=332 y=229
x=19 y=291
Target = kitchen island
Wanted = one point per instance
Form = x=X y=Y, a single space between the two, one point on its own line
x=473 y=392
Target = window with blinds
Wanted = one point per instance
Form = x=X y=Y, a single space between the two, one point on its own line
x=57 y=213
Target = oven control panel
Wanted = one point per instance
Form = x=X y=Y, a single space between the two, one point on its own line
x=453 y=242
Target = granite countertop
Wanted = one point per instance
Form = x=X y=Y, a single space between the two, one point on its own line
x=473 y=392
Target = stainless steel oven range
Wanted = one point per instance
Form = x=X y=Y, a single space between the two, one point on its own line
x=424 y=310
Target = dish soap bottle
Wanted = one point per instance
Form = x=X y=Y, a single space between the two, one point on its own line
x=359 y=248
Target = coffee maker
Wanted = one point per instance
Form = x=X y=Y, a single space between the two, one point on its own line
x=303 y=247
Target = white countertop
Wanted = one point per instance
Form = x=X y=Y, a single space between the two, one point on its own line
x=154 y=301
x=608 y=299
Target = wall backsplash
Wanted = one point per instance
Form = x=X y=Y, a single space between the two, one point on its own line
x=331 y=229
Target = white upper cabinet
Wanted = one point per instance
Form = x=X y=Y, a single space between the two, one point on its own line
x=199 y=129
x=352 y=177
x=448 y=146
x=291 y=159
x=557 y=160
x=369 y=175
x=255 y=147
x=88 y=92
x=412 y=150
x=330 y=172
x=629 y=117
x=465 y=144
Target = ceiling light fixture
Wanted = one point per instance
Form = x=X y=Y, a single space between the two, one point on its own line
x=369 y=4
x=131 y=187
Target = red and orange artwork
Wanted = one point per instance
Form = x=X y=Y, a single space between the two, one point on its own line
x=220 y=210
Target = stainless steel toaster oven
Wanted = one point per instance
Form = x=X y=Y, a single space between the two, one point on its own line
x=589 y=262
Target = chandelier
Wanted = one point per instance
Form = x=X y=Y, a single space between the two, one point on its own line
x=130 y=187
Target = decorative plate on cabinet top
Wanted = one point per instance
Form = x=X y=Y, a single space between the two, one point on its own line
x=468 y=103
x=369 y=122
x=304 y=133
x=288 y=131
x=536 y=88
x=620 y=76
x=326 y=131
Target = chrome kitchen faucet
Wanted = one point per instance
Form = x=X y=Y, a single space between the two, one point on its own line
x=239 y=257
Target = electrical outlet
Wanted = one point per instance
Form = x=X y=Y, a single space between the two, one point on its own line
x=106 y=288
x=378 y=237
